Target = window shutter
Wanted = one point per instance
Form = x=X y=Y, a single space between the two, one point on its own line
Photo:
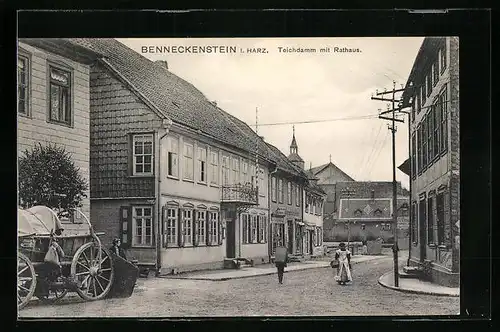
x=126 y=226
x=196 y=228
x=130 y=155
x=219 y=230
x=163 y=226
x=314 y=238
x=208 y=229
x=181 y=229
x=258 y=228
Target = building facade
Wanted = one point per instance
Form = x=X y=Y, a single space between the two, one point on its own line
x=365 y=213
x=432 y=92
x=184 y=184
x=314 y=199
x=53 y=100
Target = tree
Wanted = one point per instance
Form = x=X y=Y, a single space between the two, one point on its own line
x=48 y=176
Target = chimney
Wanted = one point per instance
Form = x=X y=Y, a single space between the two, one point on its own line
x=214 y=102
x=162 y=63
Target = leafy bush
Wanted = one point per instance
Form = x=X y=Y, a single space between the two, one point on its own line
x=45 y=172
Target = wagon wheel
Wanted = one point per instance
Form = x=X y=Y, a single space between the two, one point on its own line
x=94 y=279
x=26 y=280
x=53 y=296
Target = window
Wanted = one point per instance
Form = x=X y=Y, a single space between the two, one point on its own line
x=244 y=172
x=273 y=189
x=419 y=106
x=443 y=58
x=436 y=112
x=435 y=71
x=444 y=119
x=430 y=221
x=424 y=93
x=430 y=134
x=202 y=165
x=289 y=192
x=60 y=94
x=170 y=227
x=297 y=195
x=262 y=228
x=262 y=188
x=413 y=105
x=143 y=154
x=429 y=84
x=201 y=220
x=187 y=223
x=214 y=164
x=173 y=157
x=424 y=142
x=313 y=206
x=420 y=149
x=214 y=227
x=422 y=218
x=440 y=218
x=142 y=226
x=225 y=170
x=413 y=155
x=246 y=227
x=188 y=162
x=236 y=170
x=253 y=229
x=414 y=223
x=22 y=85
x=280 y=190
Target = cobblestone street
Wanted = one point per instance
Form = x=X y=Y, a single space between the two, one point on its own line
x=304 y=293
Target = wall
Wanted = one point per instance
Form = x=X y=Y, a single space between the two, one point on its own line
x=105 y=217
x=35 y=128
x=115 y=113
x=331 y=175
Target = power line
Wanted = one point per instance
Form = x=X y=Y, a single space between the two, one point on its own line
x=363 y=166
x=378 y=154
x=361 y=117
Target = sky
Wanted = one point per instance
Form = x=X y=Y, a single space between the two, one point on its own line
x=298 y=87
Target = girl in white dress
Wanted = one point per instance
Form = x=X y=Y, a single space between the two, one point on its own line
x=343 y=256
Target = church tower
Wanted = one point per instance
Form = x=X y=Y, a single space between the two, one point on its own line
x=294 y=152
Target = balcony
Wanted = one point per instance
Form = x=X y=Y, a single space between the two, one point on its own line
x=244 y=194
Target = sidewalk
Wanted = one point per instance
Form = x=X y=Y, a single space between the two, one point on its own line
x=410 y=285
x=246 y=272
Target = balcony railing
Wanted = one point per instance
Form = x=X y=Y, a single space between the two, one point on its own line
x=239 y=193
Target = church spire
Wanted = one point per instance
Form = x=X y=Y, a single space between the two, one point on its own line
x=293 y=147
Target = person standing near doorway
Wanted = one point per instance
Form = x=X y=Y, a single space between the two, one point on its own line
x=280 y=259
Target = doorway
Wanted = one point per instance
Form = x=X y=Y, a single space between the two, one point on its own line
x=230 y=238
x=310 y=242
x=422 y=221
x=290 y=236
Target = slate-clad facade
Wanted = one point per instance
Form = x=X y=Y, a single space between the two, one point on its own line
x=432 y=92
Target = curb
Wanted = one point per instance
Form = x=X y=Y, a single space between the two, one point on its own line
x=411 y=291
x=264 y=274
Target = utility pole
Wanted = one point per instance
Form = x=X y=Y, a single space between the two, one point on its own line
x=348 y=193
x=393 y=130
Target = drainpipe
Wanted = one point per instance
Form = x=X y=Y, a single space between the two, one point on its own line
x=270 y=236
x=166 y=124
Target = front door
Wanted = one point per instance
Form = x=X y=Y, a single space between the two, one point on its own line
x=311 y=242
x=290 y=236
x=422 y=221
x=230 y=238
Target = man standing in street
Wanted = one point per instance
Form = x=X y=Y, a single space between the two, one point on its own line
x=280 y=259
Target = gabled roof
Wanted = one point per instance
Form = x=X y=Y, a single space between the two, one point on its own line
x=318 y=169
x=173 y=97
x=405 y=167
x=283 y=163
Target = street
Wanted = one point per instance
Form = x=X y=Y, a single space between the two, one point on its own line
x=310 y=292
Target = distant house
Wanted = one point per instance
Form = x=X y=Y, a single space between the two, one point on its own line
x=53 y=99
x=367 y=213
x=330 y=174
x=432 y=92
x=314 y=200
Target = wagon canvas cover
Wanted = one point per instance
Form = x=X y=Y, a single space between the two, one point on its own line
x=38 y=220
